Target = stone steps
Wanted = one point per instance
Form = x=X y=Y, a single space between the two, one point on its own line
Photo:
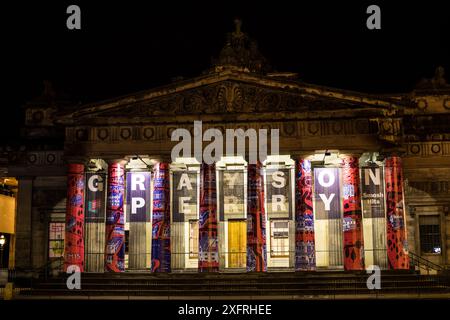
x=253 y=284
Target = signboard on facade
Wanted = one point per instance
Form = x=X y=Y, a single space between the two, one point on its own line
x=232 y=194
x=138 y=196
x=372 y=194
x=95 y=197
x=278 y=193
x=326 y=193
x=184 y=196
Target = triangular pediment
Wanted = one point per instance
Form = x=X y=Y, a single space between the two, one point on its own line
x=228 y=93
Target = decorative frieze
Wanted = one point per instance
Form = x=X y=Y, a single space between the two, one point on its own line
x=427 y=149
x=420 y=188
x=294 y=129
x=38 y=158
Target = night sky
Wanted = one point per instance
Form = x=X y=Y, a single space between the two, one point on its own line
x=135 y=45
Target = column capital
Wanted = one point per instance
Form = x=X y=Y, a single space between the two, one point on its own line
x=357 y=153
x=84 y=160
x=302 y=154
x=166 y=158
x=393 y=152
x=115 y=159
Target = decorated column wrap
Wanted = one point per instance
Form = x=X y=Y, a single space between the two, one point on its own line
x=161 y=218
x=208 y=257
x=115 y=231
x=352 y=224
x=305 y=258
x=397 y=246
x=74 y=241
x=256 y=230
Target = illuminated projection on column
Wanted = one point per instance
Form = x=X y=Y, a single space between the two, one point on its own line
x=353 y=237
x=305 y=258
x=74 y=243
x=396 y=229
x=161 y=219
x=256 y=220
x=115 y=233
x=208 y=239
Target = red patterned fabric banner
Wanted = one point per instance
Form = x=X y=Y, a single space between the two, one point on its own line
x=115 y=234
x=208 y=260
x=161 y=218
x=352 y=224
x=74 y=242
x=397 y=244
x=305 y=257
x=256 y=221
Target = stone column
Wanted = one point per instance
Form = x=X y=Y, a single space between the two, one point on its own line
x=114 y=230
x=256 y=219
x=208 y=251
x=161 y=218
x=305 y=255
x=23 y=223
x=74 y=240
x=396 y=229
x=352 y=223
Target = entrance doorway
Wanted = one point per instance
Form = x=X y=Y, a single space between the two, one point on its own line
x=237 y=243
x=279 y=243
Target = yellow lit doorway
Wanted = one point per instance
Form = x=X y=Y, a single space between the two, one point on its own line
x=237 y=243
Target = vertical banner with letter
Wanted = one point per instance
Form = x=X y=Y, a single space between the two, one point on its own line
x=232 y=194
x=138 y=196
x=208 y=255
x=374 y=216
x=353 y=236
x=138 y=215
x=115 y=233
x=397 y=244
x=184 y=200
x=95 y=197
x=256 y=220
x=161 y=218
x=74 y=237
x=184 y=227
x=305 y=258
x=372 y=192
x=278 y=193
x=327 y=217
x=95 y=221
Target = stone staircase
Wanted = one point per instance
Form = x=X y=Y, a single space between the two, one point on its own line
x=283 y=285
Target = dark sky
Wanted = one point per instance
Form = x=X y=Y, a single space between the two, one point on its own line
x=129 y=45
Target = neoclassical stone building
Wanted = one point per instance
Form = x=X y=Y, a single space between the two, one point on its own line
x=359 y=179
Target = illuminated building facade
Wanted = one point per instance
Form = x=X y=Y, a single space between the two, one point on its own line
x=358 y=180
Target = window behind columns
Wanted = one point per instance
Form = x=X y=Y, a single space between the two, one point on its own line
x=430 y=234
